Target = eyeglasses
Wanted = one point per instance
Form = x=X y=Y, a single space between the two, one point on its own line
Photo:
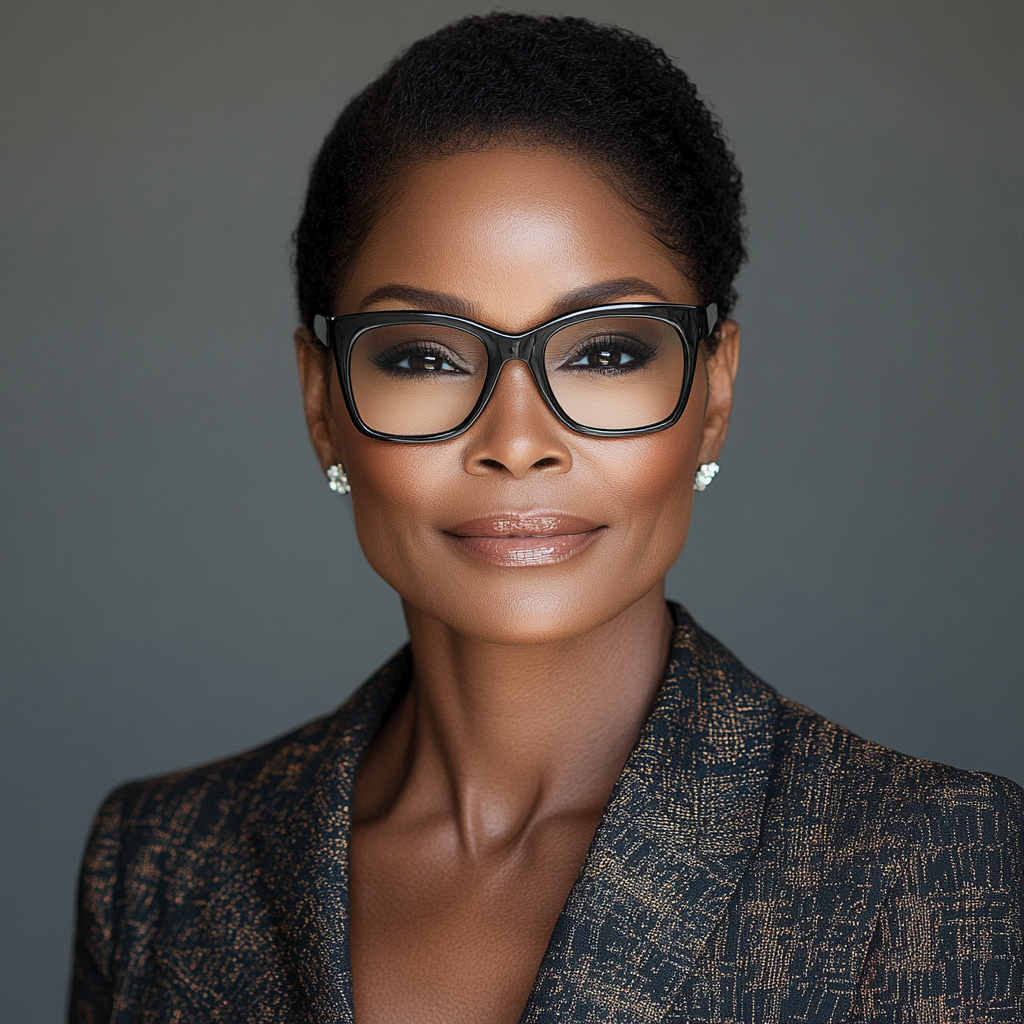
x=609 y=371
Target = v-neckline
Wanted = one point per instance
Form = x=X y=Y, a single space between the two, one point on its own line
x=682 y=821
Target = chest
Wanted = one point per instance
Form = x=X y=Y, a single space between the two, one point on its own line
x=441 y=934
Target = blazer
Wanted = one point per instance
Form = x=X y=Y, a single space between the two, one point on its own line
x=755 y=863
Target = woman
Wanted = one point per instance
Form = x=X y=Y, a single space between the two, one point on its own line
x=564 y=801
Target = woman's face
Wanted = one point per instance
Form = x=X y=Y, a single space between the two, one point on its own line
x=519 y=531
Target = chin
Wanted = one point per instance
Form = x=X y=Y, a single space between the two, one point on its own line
x=533 y=612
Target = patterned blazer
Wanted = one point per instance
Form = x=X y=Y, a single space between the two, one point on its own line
x=756 y=863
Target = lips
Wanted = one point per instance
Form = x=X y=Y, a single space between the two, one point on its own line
x=517 y=539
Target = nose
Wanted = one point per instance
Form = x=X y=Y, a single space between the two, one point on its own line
x=517 y=434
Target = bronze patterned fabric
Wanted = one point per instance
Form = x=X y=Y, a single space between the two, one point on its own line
x=756 y=863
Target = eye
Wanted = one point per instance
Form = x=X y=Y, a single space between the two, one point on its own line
x=609 y=354
x=419 y=361
x=603 y=357
x=425 y=361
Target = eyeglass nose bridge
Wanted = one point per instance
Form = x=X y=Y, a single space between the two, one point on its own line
x=515 y=346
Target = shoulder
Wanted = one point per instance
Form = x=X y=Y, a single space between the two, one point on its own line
x=148 y=834
x=153 y=825
x=925 y=860
x=827 y=776
x=157 y=839
x=219 y=799
x=824 y=780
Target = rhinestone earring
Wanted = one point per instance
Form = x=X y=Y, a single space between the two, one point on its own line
x=704 y=475
x=337 y=479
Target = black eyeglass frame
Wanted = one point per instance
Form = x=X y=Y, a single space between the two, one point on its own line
x=339 y=334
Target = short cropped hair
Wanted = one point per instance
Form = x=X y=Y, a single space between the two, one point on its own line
x=602 y=91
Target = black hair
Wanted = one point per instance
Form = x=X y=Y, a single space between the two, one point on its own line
x=601 y=90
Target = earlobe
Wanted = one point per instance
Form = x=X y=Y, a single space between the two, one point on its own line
x=314 y=367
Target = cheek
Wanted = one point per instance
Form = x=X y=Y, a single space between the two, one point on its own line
x=653 y=475
x=398 y=491
x=649 y=476
x=654 y=487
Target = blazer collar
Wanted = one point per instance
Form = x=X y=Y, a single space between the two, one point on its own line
x=682 y=822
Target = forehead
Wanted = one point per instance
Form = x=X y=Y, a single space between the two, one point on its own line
x=509 y=230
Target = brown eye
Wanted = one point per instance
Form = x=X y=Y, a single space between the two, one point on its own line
x=417 y=361
x=609 y=353
x=603 y=357
x=425 y=362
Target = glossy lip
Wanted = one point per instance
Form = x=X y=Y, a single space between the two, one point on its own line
x=519 y=539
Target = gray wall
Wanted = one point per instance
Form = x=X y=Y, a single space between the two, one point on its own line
x=178 y=582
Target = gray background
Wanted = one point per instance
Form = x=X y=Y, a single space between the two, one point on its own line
x=178 y=582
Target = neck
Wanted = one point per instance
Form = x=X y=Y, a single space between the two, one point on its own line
x=499 y=738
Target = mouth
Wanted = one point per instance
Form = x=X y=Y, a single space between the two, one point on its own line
x=520 y=539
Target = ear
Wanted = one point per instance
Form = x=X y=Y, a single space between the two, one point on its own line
x=314 y=378
x=721 y=371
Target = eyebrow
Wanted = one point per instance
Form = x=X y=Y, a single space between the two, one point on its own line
x=605 y=292
x=423 y=299
x=600 y=294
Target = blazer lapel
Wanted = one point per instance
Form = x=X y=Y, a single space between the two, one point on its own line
x=303 y=850
x=682 y=823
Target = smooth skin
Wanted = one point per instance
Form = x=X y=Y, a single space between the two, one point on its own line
x=476 y=803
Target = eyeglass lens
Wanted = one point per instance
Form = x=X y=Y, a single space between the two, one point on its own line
x=611 y=373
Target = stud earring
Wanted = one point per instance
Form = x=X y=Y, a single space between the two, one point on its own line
x=704 y=475
x=337 y=479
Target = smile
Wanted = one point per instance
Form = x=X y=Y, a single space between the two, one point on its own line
x=517 y=540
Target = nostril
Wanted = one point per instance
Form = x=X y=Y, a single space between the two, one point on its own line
x=491 y=464
x=546 y=463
